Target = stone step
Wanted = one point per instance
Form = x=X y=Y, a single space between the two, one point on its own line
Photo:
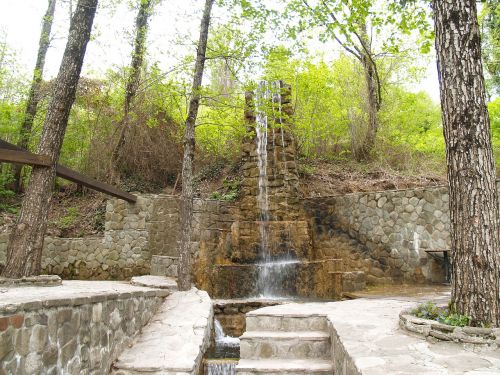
x=285 y=345
x=291 y=323
x=284 y=366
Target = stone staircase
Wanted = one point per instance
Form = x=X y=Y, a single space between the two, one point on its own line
x=351 y=264
x=274 y=344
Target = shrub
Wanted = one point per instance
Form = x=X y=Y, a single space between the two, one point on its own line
x=232 y=191
x=444 y=315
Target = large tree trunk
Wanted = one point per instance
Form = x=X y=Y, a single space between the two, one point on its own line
x=471 y=167
x=145 y=8
x=33 y=96
x=25 y=246
x=184 y=273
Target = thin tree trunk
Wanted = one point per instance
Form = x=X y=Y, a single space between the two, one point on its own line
x=373 y=109
x=184 y=273
x=145 y=8
x=33 y=96
x=24 y=252
x=373 y=93
x=471 y=167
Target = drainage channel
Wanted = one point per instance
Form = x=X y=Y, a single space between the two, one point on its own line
x=224 y=353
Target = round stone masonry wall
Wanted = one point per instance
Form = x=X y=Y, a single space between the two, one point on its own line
x=433 y=330
x=400 y=234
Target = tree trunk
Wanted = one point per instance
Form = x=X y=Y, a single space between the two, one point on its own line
x=373 y=107
x=33 y=96
x=145 y=8
x=471 y=167
x=25 y=246
x=363 y=52
x=184 y=279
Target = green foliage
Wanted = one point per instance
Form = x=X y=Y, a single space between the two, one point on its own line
x=490 y=22
x=68 y=220
x=444 y=315
x=457 y=320
x=412 y=119
x=494 y=111
x=427 y=310
x=329 y=94
x=305 y=169
x=231 y=191
x=329 y=103
x=6 y=194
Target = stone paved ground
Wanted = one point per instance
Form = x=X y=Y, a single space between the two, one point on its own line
x=174 y=341
x=439 y=293
x=368 y=329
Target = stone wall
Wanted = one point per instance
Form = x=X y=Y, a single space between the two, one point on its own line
x=231 y=313
x=79 y=335
x=133 y=233
x=386 y=233
x=121 y=253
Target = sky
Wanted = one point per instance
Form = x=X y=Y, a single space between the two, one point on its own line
x=20 y=24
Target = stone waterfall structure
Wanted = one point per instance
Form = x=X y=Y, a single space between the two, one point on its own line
x=268 y=251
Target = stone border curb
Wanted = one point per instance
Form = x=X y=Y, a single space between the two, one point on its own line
x=9 y=309
x=158 y=282
x=431 y=329
x=41 y=280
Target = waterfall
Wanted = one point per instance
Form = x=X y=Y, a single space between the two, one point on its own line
x=261 y=101
x=223 y=356
x=272 y=273
x=221 y=338
x=220 y=368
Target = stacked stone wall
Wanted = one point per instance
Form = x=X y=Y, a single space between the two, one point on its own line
x=81 y=335
x=122 y=252
x=385 y=234
x=133 y=234
x=394 y=230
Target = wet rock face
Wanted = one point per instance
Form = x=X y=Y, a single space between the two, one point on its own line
x=282 y=178
x=269 y=224
x=307 y=279
x=274 y=176
x=285 y=239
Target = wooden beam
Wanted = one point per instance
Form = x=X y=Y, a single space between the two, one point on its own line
x=9 y=146
x=23 y=157
x=65 y=172
x=74 y=176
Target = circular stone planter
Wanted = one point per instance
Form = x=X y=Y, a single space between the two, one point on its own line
x=431 y=329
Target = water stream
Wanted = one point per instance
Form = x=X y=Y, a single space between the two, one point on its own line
x=222 y=339
x=223 y=356
x=273 y=272
x=220 y=368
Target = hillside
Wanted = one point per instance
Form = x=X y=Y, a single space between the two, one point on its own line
x=77 y=213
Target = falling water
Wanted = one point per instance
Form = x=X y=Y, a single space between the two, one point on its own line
x=221 y=338
x=223 y=355
x=273 y=274
x=220 y=368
